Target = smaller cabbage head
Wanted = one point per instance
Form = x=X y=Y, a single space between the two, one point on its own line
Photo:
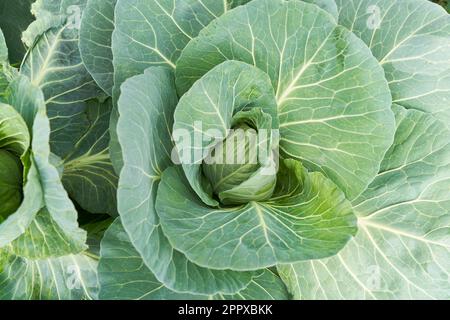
x=238 y=167
x=14 y=143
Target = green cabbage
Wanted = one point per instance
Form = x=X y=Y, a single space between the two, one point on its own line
x=235 y=149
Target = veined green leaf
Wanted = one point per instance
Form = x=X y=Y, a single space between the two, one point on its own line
x=266 y=286
x=327 y=5
x=14 y=144
x=14 y=135
x=79 y=128
x=44 y=238
x=402 y=250
x=3 y=83
x=3 y=48
x=153 y=33
x=88 y=175
x=247 y=177
x=308 y=218
x=118 y=257
x=32 y=202
x=69 y=277
x=54 y=65
x=96 y=31
x=10 y=183
x=333 y=100
x=411 y=40
x=146 y=109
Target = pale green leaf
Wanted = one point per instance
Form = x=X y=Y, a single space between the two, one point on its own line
x=44 y=238
x=118 y=257
x=327 y=5
x=97 y=26
x=64 y=278
x=124 y=275
x=15 y=16
x=246 y=178
x=88 y=174
x=267 y=286
x=52 y=14
x=153 y=33
x=14 y=135
x=308 y=218
x=28 y=100
x=79 y=128
x=3 y=48
x=411 y=40
x=14 y=144
x=402 y=250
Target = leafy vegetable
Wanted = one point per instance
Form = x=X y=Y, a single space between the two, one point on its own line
x=121 y=284
x=236 y=149
x=15 y=16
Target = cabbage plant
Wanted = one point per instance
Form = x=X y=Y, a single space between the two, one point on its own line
x=236 y=149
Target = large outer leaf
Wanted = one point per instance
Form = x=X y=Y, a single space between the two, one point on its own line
x=118 y=258
x=146 y=109
x=153 y=33
x=309 y=218
x=327 y=5
x=333 y=99
x=88 y=175
x=403 y=248
x=69 y=277
x=411 y=39
x=14 y=135
x=28 y=100
x=212 y=103
x=32 y=202
x=44 y=238
x=79 y=128
x=54 y=65
x=51 y=14
x=266 y=286
x=97 y=26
